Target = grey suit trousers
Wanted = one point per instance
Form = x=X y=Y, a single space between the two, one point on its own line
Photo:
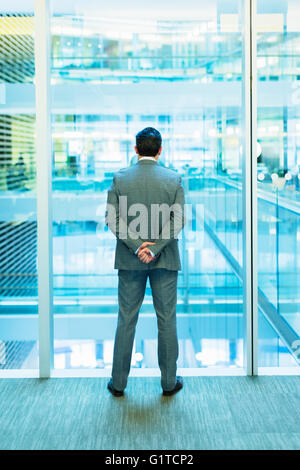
x=131 y=292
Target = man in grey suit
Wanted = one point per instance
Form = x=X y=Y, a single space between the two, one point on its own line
x=147 y=246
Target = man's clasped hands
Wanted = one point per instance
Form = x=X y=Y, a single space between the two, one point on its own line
x=144 y=253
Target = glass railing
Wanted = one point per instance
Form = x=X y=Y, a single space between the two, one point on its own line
x=278 y=254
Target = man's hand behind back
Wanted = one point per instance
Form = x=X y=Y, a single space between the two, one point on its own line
x=144 y=253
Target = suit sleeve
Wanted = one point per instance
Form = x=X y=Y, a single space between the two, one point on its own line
x=115 y=223
x=175 y=223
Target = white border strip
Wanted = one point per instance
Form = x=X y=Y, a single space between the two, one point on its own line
x=19 y=373
x=279 y=371
x=149 y=372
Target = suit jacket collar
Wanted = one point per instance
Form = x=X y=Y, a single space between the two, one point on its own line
x=141 y=162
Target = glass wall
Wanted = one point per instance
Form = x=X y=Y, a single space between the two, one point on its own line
x=116 y=69
x=278 y=180
x=18 y=226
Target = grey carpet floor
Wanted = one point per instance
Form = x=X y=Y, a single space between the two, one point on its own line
x=209 y=413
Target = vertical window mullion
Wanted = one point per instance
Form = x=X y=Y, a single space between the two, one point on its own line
x=254 y=233
x=44 y=185
x=249 y=191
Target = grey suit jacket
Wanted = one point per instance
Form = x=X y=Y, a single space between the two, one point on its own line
x=146 y=185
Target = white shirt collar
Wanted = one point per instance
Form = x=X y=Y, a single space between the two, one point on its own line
x=146 y=158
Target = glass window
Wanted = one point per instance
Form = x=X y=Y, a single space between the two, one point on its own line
x=18 y=225
x=115 y=71
x=278 y=179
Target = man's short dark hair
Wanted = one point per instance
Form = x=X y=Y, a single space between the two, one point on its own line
x=148 y=142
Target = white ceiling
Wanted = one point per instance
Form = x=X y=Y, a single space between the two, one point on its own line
x=163 y=9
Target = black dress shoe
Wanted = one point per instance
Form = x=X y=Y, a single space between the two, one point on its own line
x=113 y=391
x=178 y=386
